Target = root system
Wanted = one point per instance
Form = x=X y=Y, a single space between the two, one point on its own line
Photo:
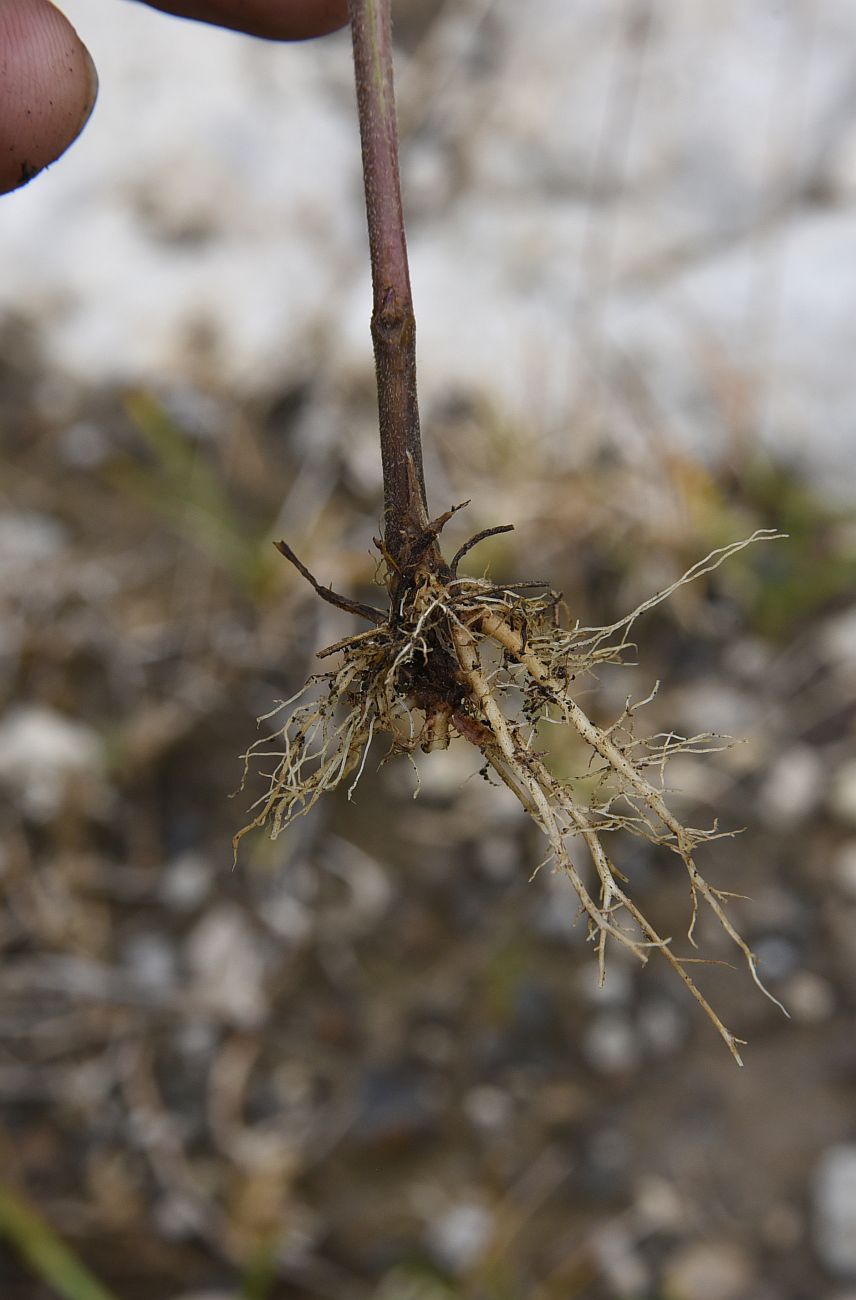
x=460 y=657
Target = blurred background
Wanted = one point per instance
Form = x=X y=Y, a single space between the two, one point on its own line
x=371 y=1062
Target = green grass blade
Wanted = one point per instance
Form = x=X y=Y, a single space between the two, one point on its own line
x=43 y=1251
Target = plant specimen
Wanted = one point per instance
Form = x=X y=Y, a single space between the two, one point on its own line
x=461 y=657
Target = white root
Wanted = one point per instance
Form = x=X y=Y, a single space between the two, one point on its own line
x=684 y=840
x=390 y=682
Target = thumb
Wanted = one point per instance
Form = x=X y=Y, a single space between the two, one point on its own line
x=278 y=20
x=48 y=86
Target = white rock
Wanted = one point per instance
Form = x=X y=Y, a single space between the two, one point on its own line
x=151 y=960
x=43 y=754
x=585 y=197
x=179 y=1217
x=620 y=1262
x=28 y=539
x=660 y=1206
x=185 y=881
x=288 y=917
x=715 y=706
x=709 y=1271
x=123 y=253
x=662 y=1027
x=617 y=987
x=368 y=888
x=227 y=966
x=459 y=1235
x=806 y=382
x=557 y=909
x=488 y=1107
x=834 y=1219
x=777 y=957
x=808 y=997
x=793 y=787
x=610 y=1044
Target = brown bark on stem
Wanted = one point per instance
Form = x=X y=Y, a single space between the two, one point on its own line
x=393 y=323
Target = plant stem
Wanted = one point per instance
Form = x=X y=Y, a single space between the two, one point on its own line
x=393 y=323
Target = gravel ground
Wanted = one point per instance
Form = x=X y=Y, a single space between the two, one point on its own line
x=371 y=1062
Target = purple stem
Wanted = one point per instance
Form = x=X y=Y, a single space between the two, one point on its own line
x=393 y=323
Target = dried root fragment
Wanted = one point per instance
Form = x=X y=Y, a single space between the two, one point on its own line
x=463 y=656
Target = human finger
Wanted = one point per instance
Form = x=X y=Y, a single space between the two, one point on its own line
x=278 y=20
x=48 y=87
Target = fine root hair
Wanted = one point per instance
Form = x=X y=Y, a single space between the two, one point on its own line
x=461 y=657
